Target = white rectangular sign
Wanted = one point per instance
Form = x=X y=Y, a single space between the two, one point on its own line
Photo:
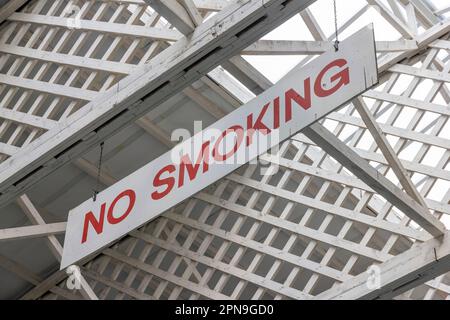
x=304 y=96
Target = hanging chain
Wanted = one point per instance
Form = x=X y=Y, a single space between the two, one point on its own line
x=97 y=186
x=336 y=43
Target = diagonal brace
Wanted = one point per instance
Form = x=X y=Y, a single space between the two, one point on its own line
x=363 y=170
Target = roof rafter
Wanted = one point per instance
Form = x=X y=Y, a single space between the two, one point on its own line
x=400 y=273
x=32 y=231
x=241 y=24
x=30 y=210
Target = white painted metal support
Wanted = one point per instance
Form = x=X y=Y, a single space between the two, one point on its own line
x=399 y=274
x=27 y=275
x=397 y=23
x=18 y=269
x=25 y=118
x=205 y=5
x=388 y=152
x=177 y=67
x=30 y=232
x=181 y=19
x=363 y=170
x=44 y=87
x=175 y=13
x=415 y=210
x=247 y=74
x=45 y=285
x=443 y=10
x=211 y=5
x=35 y=217
x=10 y=7
x=30 y=210
x=193 y=12
x=301 y=47
x=422 y=40
x=423 y=11
x=238 y=196
x=99 y=26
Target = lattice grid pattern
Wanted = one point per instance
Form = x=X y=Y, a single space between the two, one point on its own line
x=292 y=235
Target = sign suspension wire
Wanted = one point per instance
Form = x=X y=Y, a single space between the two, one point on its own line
x=336 y=43
x=162 y=183
x=97 y=183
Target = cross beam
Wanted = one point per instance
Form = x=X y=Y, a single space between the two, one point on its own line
x=183 y=63
x=363 y=170
x=30 y=232
x=10 y=7
x=174 y=12
x=399 y=274
x=33 y=214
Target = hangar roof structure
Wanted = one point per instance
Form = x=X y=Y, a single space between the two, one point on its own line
x=369 y=185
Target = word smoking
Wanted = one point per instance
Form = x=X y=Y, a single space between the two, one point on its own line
x=222 y=148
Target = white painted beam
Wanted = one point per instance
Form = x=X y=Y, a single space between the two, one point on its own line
x=69 y=60
x=175 y=13
x=429 y=74
x=440 y=44
x=28 y=119
x=363 y=170
x=424 y=12
x=205 y=5
x=397 y=23
x=138 y=264
x=382 y=185
x=443 y=10
x=340 y=179
x=409 y=102
x=34 y=216
x=300 y=47
x=41 y=86
x=10 y=7
x=18 y=269
x=100 y=26
x=30 y=232
x=423 y=40
x=388 y=151
x=408 y=165
x=8 y=149
x=335 y=210
x=192 y=11
x=171 y=71
x=29 y=276
x=44 y=286
x=30 y=210
x=399 y=274
x=258 y=280
x=182 y=20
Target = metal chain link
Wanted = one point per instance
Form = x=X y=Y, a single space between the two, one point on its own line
x=336 y=43
x=97 y=184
